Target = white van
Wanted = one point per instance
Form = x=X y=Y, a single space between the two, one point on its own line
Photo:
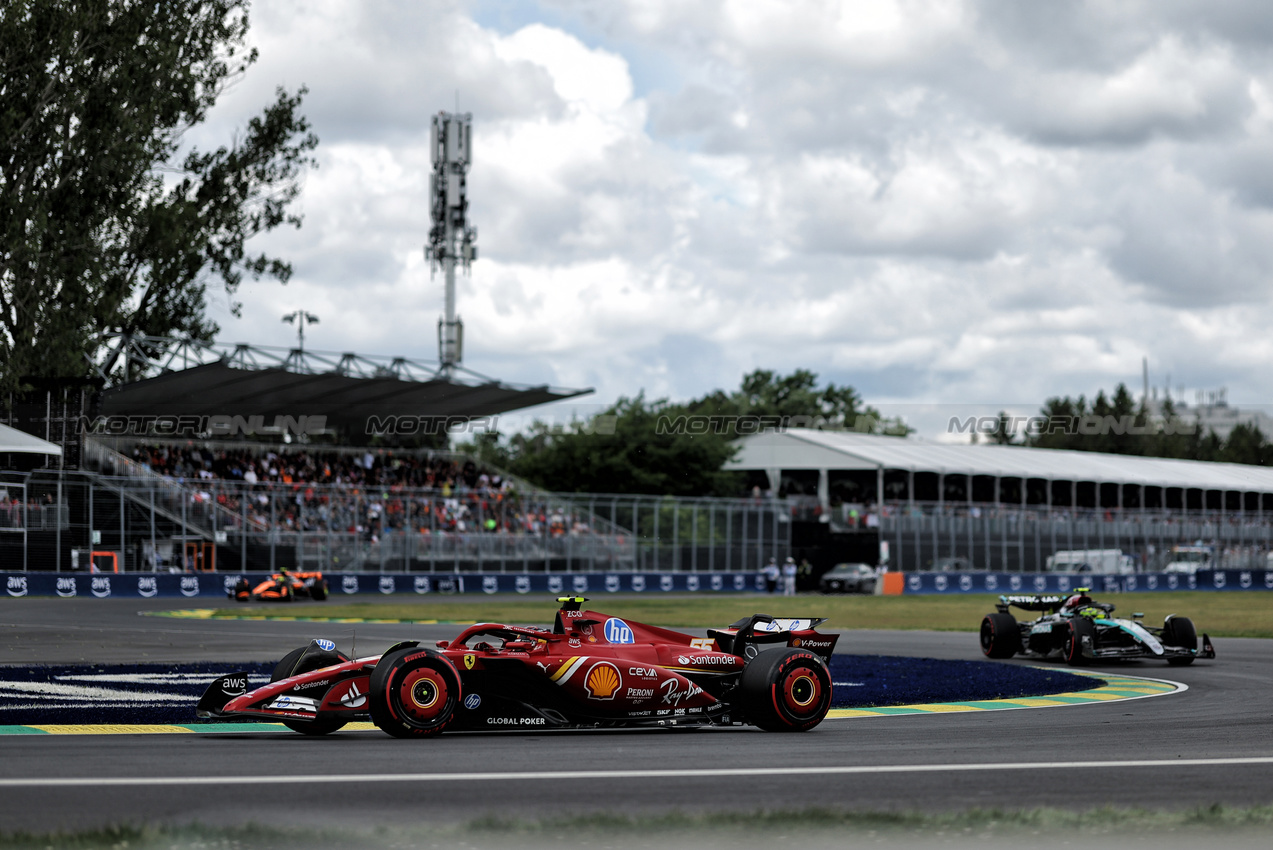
x=1103 y=561
x=1189 y=559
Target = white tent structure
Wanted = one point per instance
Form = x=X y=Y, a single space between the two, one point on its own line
x=13 y=441
x=1031 y=475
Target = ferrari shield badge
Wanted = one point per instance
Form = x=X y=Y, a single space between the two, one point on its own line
x=469 y=661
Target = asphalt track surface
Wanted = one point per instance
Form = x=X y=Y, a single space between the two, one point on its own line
x=1212 y=743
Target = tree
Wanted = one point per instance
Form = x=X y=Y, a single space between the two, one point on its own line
x=106 y=221
x=660 y=447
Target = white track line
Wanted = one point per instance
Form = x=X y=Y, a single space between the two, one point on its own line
x=349 y=778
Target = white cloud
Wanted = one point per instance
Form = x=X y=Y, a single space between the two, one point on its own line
x=975 y=202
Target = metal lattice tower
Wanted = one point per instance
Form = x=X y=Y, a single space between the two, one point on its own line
x=451 y=238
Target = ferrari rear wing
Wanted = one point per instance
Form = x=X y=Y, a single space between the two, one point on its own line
x=744 y=637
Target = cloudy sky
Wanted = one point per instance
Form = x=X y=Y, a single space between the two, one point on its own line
x=955 y=207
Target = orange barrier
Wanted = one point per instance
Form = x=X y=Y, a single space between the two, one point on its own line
x=894 y=584
x=114 y=561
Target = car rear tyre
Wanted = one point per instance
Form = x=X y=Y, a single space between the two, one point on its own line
x=319 y=591
x=293 y=665
x=414 y=693
x=1000 y=636
x=1079 y=629
x=1179 y=631
x=785 y=690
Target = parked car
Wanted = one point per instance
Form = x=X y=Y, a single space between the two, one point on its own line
x=848 y=578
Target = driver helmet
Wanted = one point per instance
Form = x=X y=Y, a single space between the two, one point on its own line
x=1077 y=601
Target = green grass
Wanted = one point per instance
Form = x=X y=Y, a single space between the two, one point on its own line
x=1221 y=614
x=1209 y=825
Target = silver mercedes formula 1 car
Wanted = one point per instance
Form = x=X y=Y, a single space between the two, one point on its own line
x=1081 y=630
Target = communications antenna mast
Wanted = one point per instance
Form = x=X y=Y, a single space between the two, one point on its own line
x=451 y=238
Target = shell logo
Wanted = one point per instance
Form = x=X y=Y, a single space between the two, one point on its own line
x=603 y=681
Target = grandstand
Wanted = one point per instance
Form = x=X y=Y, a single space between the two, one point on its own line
x=1008 y=507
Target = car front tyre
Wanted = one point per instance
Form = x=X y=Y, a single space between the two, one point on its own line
x=414 y=693
x=1179 y=631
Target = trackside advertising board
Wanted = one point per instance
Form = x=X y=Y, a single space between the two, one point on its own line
x=216 y=585
x=981 y=582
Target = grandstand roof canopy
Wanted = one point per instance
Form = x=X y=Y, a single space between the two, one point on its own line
x=241 y=380
x=801 y=448
x=19 y=442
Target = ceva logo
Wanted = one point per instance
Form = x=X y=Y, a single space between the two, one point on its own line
x=66 y=587
x=490 y=584
x=147 y=586
x=101 y=587
x=387 y=585
x=189 y=586
x=522 y=584
x=421 y=584
x=17 y=586
x=349 y=584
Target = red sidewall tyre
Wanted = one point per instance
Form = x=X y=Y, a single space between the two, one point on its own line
x=785 y=690
x=293 y=665
x=414 y=693
x=1000 y=636
x=1074 y=644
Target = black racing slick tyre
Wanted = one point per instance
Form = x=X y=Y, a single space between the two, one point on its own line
x=319 y=590
x=1000 y=636
x=1079 y=629
x=293 y=665
x=414 y=693
x=785 y=690
x=1179 y=631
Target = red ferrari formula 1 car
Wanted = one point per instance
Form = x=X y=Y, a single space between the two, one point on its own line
x=588 y=670
x=283 y=586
